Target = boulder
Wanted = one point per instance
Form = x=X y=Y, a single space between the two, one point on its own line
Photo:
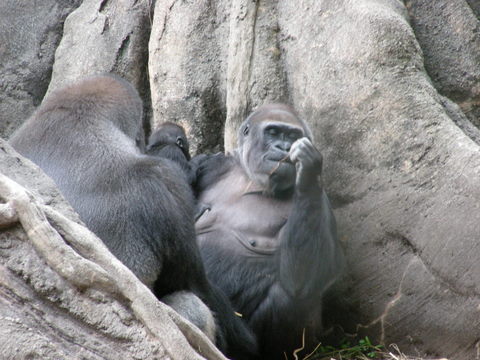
x=448 y=33
x=401 y=160
x=29 y=35
x=401 y=173
x=390 y=90
x=103 y=36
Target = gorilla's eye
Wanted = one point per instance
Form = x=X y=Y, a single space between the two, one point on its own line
x=179 y=142
x=272 y=131
x=295 y=135
x=246 y=130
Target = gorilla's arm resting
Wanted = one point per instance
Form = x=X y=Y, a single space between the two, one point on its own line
x=309 y=257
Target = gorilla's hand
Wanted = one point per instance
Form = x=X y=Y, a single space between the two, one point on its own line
x=308 y=162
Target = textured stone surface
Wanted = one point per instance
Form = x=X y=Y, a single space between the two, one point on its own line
x=390 y=90
x=402 y=175
x=106 y=36
x=29 y=35
x=113 y=39
x=211 y=63
x=186 y=62
x=448 y=32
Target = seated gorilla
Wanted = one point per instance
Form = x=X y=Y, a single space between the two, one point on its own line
x=170 y=141
x=83 y=136
x=268 y=238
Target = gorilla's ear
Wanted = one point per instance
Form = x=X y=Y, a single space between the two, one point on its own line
x=243 y=132
x=246 y=129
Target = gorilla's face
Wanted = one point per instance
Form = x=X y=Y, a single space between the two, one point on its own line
x=170 y=134
x=265 y=142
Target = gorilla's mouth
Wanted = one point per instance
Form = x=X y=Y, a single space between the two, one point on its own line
x=282 y=169
x=279 y=157
x=281 y=178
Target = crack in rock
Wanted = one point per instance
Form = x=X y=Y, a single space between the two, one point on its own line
x=449 y=284
x=389 y=306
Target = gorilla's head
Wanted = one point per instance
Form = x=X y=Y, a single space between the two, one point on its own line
x=264 y=142
x=169 y=134
x=97 y=98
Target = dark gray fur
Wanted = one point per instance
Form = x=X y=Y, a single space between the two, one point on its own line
x=268 y=237
x=84 y=138
x=169 y=141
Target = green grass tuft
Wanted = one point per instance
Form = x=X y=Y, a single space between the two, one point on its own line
x=364 y=350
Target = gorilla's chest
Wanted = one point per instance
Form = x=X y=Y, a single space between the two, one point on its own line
x=241 y=213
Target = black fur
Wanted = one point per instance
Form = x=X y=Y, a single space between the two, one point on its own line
x=268 y=237
x=169 y=141
x=83 y=137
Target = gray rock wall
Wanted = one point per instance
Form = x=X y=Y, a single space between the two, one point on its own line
x=29 y=34
x=402 y=175
x=448 y=32
x=390 y=90
x=103 y=36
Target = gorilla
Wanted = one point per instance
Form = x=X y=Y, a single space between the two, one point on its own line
x=84 y=137
x=268 y=237
x=170 y=141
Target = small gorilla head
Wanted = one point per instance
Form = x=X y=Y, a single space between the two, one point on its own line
x=169 y=134
x=264 y=142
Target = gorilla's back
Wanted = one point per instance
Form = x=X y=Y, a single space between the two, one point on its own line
x=118 y=192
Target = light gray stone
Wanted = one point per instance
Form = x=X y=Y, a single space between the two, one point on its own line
x=402 y=175
x=448 y=32
x=187 y=56
x=29 y=34
x=401 y=161
x=105 y=36
x=390 y=89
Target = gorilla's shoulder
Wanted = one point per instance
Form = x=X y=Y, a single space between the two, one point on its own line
x=211 y=168
x=153 y=172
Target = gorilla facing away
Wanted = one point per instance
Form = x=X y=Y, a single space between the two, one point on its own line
x=83 y=137
x=170 y=141
x=268 y=238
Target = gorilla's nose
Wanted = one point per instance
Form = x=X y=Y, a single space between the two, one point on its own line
x=283 y=146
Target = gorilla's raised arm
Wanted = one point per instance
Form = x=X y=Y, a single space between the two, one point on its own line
x=308 y=255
